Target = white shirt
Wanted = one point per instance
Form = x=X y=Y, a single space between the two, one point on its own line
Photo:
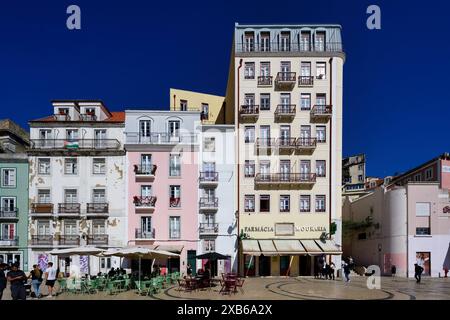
x=51 y=273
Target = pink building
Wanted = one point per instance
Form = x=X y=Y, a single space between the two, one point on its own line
x=162 y=184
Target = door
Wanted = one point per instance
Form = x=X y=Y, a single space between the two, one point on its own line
x=320 y=41
x=305 y=135
x=209 y=169
x=304 y=265
x=43 y=228
x=265 y=69
x=264 y=266
x=265 y=42
x=264 y=170
x=100 y=138
x=285 y=99
x=285 y=70
x=46 y=137
x=284 y=265
x=146 y=227
x=192 y=260
x=146 y=163
x=305 y=69
x=304 y=41
x=285 y=170
x=8 y=208
x=8 y=232
x=174 y=130
x=264 y=134
x=146 y=191
x=285 y=42
x=427 y=265
x=70 y=196
x=144 y=131
x=249 y=265
x=285 y=134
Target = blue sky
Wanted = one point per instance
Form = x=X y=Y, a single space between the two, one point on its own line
x=130 y=53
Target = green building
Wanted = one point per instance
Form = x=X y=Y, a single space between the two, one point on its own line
x=13 y=194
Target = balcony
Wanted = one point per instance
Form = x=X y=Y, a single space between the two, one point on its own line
x=42 y=240
x=62 y=117
x=306 y=144
x=160 y=138
x=208 y=178
x=285 y=111
x=285 y=81
x=265 y=143
x=69 y=210
x=7 y=241
x=286 y=144
x=294 y=46
x=74 y=144
x=9 y=213
x=321 y=112
x=144 y=204
x=208 y=204
x=140 y=234
x=145 y=172
x=305 y=81
x=298 y=179
x=42 y=210
x=97 y=209
x=249 y=112
x=69 y=240
x=97 y=239
x=175 y=202
x=265 y=81
x=208 y=229
x=88 y=117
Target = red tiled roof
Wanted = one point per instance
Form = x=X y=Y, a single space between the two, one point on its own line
x=117 y=117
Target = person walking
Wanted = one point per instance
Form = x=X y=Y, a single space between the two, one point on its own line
x=420 y=267
x=2 y=279
x=346 y=268
x=189 y=270
x=17 y=279
x=393 y=270
x=36 y=280
x=332 y=269
x=50 y=278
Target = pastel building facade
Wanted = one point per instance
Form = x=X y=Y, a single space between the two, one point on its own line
x=162 y=184
x=285 y=83
x=13 y=194
x=217 y=196
x=77 y=184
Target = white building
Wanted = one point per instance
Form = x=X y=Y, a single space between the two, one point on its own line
x=77 y=183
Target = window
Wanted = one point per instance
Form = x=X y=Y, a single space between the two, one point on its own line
x=8 y=231
x=321 y=71
x=9 y=178
x=429 y=174
x=321 y=99
x=205 y=111
x=44 y=196
x=175 y=196
x=265 y=41
x=264 y=203
x=360 y=167
x=417 y=177
x=264 y=134
x=174 y=228
x=305 y=203
x=70 y=196
x=174 y=129
x=72 y=134
x=265 y=101
x=249 y=168
x=99 y=196
x=285 y=133
x=265 y=69
x=285 y=170
x=423 y=209
x=249 y=41
x=321 y=134
x=264 y=169
x=362 y=236
x=305 y=168
x=320 y=168
x=99 y=165
x=44 y=166
x=105 y=263
x=305 y=101
x=98 y=227
x=146 y=228
x=175 y=165
x=249 y=70
x=305 y=40
x=360 y=178
x=144 y=129
x=183 y=105
x=209 y=144
x=320 y=41
x=285 y=99
x=43 y=228
x=146 y=191
x=70 y=166
x=285 y=70
x=320 y=203
x=423 y=231
x=305 y=134
x=285 y=41
x=249 y=99
x=45 y=134
x=70 y=227
x=209 y=245
x=8 y=204
x=249 y=134
x=285 y=203
x=249 y=203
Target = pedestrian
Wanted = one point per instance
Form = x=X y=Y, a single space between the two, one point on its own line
x=111 y=273
x=393 y=270
x=2 y=279
x=189 y=270
x=17 y=279
x=445 y=272
x=346 y=268
x=420 y=266
x=416 y=272
x=36 y=280
x=332 y=269
x=50 y=278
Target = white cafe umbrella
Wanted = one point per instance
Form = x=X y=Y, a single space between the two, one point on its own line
x=82 y=251
x=141 y=253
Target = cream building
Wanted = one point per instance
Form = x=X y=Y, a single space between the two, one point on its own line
x=285 y=83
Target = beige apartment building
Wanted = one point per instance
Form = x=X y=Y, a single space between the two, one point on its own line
x=285 y=82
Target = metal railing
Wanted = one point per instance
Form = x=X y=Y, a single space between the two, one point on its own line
x=285 y=142
x=8 y=241
x=322 y=209
x=174 y=202
x=8 y=212
x=145 y=169
x=305 y=80
x=285 y=77
x=75 y=144
x=265 y=142
x=140 y=234
x=285 y=178
x=206 y=202
x=306 y=142
x=97 y=207
x=42 y=240
x=249 y=109
x=209 y=176
x=208 y=228
x=249 y=209
x=319 y=110
x=72 y=208
x=88 y=117
x=285 y=110
x=69 y=240
x=144 y=201
x=265 y=80
x=62 y=117
x=42 y=208
x=97 y=239
x=160 y=138
x=292 y=46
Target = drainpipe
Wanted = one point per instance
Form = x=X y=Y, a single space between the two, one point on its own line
x=238 y=169
x=331 y=145
x=174 y=102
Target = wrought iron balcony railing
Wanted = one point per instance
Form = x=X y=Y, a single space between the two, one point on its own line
x=286 y=142
x=75 y=144
x=69 y=240
x=142 y=234
x=285 y=178
x=42 y=240
x=265 y=80
x=144 y=201
x=88 y=117
x=8 y=241
x=97 y=239
x=209 y=228
x=8 y=213
x=249 y=110
x=208 y=203
x=265 y=142
x=292 y=46
x=97 y=208
x=208 y=176
x=285 y=110
x=70 y=208
x=160 y=138
x=321 y=110
x=41 y=208
x=305 y=81
x=145 y=169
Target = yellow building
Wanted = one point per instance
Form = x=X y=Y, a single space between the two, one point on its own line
x=212 y=107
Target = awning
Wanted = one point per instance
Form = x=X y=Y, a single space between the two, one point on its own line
x=328 y=247
x=289 y=247
x=251 y=247
x=170 y=248
x=267 y=248
x=311 y=247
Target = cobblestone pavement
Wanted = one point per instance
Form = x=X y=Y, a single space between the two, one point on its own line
x=301 y=288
